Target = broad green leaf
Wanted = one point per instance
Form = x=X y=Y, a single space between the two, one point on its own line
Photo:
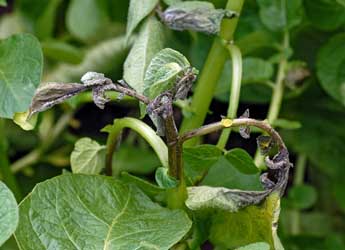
x=325 y=14
x=105 y=57
x=256 y=70
x=235 y=170
x=170 y=2
x=256 y=223
x=280 y=15
x=62 y=52
x=163 y=70
x=21 y=63
x=302 y=197
x=138 y=10
x=21 y=120
x=153 y=191
x=96 y=212
x=80 y=23
x=134 y=159
x=330 y=67
x=147 y=44
x=88 y=157
x=198 y=160
x=3 y=3
x=255 y=246
x=8 y=213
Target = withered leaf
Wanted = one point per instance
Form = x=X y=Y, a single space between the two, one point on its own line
x=245 y=130
x=53 y=93
x=195 y=16
x=265 y=144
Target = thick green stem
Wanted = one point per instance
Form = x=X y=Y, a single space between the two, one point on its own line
x=5 y=170
x=298 y=179
x=211 y=72
x=277 y=95
x=234 y=98
x=141 y=128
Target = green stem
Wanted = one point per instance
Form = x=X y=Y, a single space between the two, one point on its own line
x=234 y=98
x=211 y=72
x=140 y=127
x=295 y=216
x=5 y=170
x=277 y=95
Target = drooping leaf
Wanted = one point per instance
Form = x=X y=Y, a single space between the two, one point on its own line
x=255 y=223
x=198 y=160
x=21 y=63
x=79 y=22
x=8 y=213
x=138 y=10
x=88 y=157
x=330 y=67
x=280 y=15
x=196 y=16
x=235 y=170
x=245 y=130
x=255 y=246
x=147 y=44
x=96 y=212
x=325 y=14
x=265 y=144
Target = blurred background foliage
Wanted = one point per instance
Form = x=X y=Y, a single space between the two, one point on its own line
x=88 y=35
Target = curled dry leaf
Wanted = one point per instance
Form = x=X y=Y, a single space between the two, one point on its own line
x=195 y=16
x=265 y=144
x=245 y=130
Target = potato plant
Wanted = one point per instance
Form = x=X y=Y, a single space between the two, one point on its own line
x=165 y=124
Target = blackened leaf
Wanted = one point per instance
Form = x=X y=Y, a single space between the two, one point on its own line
x=245 y=130
x=195 y=16
x=21 y=62
x=51 y=94
x=265 y=144
x=330 y=67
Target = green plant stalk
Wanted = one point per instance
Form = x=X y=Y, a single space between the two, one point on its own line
x=298 y=180
x=277 y=95
x=141 y=128
x=211 y=72
x=234 y=98
x=5 y=170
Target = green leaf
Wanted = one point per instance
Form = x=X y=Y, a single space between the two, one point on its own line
x=235 y=170
x=3 y=3
x=342 y=2
x=21 y=63
x=88 y=157
x=255 y=246
x=21 y=120
x=302 y=197
x=325 y=14
x=134 y=159
x=330 y=67
x=163 y=71
x=80 y=23
x=256 y=70
x=8 y=213
x=45 y=23
x=286 y=124
x=147 y=44
x=198 y=160
x=280 y=15
x=163 y=179
x=96 y=212
x=106 y=57
x=138 y=10
x=256 y=223
x=62 y=52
